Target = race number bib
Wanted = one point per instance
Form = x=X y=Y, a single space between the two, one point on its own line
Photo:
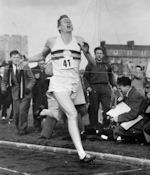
x=67 y=62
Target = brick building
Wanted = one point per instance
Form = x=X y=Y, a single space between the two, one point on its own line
x=129 y=54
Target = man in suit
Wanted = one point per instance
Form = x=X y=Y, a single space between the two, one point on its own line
x=134 y=100
x=21 y=79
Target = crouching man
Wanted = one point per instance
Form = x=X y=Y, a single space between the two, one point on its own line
x=129 y=124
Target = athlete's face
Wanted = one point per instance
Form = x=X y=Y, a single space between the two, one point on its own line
x=66 y=25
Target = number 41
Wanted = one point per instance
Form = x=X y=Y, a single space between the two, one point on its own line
x=66 y=63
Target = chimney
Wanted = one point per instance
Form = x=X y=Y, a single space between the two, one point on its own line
x=130 y=44
x=102 y=43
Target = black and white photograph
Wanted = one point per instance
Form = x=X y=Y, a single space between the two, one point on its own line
x=74 y=87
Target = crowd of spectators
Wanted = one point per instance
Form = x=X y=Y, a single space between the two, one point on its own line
x=105 y=86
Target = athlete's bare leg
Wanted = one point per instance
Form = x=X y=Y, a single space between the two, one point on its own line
x=69 y=109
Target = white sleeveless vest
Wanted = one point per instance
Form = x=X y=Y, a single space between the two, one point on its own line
x=65 y=60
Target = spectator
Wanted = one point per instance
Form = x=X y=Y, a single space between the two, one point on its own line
x=39 y=89
x=138 y=79
x=126 y=69
x=148 y=73
x=97 y=81
x=116 y=69
x=6 y=103
x=134 y=100
x=5 y=99
x=0 y=90
x=19 y=76
x=146 y=128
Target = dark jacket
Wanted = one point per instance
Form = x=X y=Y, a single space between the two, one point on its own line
x=42 y=83
x=101 y=73
x=29 y=81
x=134 y=100
x=39 y=89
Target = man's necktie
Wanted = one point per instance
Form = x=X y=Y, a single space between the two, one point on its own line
x=20 y=79
x=17 y=75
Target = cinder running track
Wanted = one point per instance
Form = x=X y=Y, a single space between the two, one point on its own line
x=15 y=161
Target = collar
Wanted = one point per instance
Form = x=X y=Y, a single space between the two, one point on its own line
x=128 y=92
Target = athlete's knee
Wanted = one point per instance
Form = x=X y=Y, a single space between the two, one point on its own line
x=72 y=115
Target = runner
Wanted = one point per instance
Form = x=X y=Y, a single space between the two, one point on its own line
x=65 y=58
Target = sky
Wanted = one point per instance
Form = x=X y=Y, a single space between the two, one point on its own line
x=113 y=21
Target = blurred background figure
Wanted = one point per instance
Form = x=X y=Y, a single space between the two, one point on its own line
x=116 y=70
x=126 y=69
x=5 y=100
x=138 y=79
x=146 y=128
x=39 y=98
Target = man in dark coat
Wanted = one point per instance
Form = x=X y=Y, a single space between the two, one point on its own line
x=134 y=100
x=39 y=97
x=20 y=77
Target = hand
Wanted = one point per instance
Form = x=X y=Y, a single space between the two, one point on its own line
x=148 y=95
x=89 y=89
x=22 y=64
x=114 y=88
x=84 y=47
x=111 y=119
x=120 y=99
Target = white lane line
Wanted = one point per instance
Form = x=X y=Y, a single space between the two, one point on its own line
x=14 y=171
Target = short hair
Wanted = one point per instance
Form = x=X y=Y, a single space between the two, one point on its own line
x=60 y=18
x=98 y=48
x=124 y=81
x=14 y=52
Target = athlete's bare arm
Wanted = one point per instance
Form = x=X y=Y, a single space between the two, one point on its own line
x=85 y=48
